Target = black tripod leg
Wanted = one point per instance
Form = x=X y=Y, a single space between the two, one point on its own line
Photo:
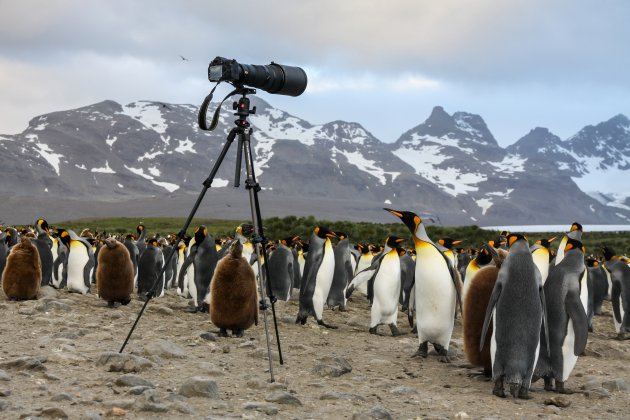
x=206 y=184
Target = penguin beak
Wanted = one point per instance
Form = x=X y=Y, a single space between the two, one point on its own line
x=399 y=240
x=552 y=239
x=394 y=212
x=458 y=241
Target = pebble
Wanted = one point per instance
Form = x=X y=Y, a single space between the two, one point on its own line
x=117 y=412
x=199 y=386
x=61 y=397
x=52 y=305
x=162 y=310
x=121 y=362
x=54 y=412
x=208 y=336
x=122 y=404
x=64 y=358
x=376 y=412
x=152 y=407
x=4 y=404
x=25 y=363
x=332 y=367
x=165 y=349
x=5 y=393
x=256 y=384
x=262 y=353
x=403 y=390
x=558 y=401
x=137 y=390
x=615 y=385
x=281 y=397
x=182 y=407
x=461 y=415
x=341 y=396
x=267 y=408
x=51 y=377
x=4 y=376
x=26 y=311
x=597 y=393
x=133 y=380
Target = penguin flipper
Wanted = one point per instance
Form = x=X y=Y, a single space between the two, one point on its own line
x=496 y=292
x=359 y=279
x=87 y=271
x=541 y=292
x=615 y=296
x=455 y=280
x=576 y=313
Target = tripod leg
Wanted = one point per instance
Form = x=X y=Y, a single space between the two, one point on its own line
x=206 y=185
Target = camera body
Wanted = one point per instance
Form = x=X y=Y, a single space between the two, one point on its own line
x=273 y=78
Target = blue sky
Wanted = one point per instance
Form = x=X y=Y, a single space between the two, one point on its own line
x=385 y=64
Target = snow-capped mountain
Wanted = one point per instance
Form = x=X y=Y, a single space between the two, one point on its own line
x=450 y=165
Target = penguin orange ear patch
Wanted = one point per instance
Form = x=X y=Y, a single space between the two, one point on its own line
x=512 y=239
x=317 y=230
x=417 y=220
x=568 y=247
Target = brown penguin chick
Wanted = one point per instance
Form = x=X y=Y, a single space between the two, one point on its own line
x=22 y=275
x=475 y=304
x=115 y=273
x=233 y=298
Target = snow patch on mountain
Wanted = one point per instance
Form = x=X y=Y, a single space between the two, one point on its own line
x=597 y=176
x=54 y=159
x=110 y=140
x=104 y=170
x=510 y=164
x=147 y=113
x=150 y=156
x=287 y=129
x=185 y=146
x=366 y=165
x=166 y=185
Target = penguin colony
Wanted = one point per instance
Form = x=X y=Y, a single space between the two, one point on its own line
x=551 y=297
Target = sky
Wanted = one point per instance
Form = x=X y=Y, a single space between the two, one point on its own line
x=385 y=64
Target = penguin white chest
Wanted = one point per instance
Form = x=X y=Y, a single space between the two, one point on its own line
x=387 y=289
x=78 y=258
x=541 y=260
x=324 y=278
x=435 y=296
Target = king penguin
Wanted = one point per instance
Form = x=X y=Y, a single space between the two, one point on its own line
x=44 y=244
x=620 y=293
x=574 y=233
x=482 y=259
x=343 y=273
x=318 y=276
x=599 y=283
x=478 y=289
x=407 y=277
x=436 y=290
x=384 y=274
x=364 y=262
x=22 y=273
x=541 y=255
x=518 y=312
x=149 y=267
x=141 y=242
x=281 y=270
x=204 y=261
x=568 y=325
x=78 y=264
x=134 y=254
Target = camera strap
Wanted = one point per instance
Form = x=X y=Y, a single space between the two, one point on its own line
x=203 y=110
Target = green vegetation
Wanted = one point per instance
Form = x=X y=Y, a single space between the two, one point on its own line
x=364 y=232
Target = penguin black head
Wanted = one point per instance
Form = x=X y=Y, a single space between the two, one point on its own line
x=341 y=235
x=576 y=226
x=43 y=225
x=64 y=237
x=608 y=252
x=504 y=233
x=484 y=256
x=497 y=242
x=394 y=242
x=401 y=251
x=140 y=228
x=591 y=261
x=574 y=244
x=245 y=229
x=323 y=232
x=513 y=237
x=449 y=242
x=409 y=218
x=359 y=247
x=154 y=242
x=545 y=243
x=200 y=234
x=288 y=241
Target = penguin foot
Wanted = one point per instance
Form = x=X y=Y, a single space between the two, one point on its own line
x=621 y=336
x=442 y=353
x=560 y=389
x=204 y=307
x=549 y=384
x=590 y=328
x=498 y=389
x=515 y=389
x=342 y=308
x=423 y=350
x=414 y=330
x=238 y=333
x=322 y=323
x=223 y=332
x=523 y=394
x=373 y=330
x=395 y=331
x=125 y=302
x=111 y=304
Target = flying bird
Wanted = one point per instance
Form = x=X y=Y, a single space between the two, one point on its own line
x=183 y=58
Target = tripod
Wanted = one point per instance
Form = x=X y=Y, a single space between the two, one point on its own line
x=243 y=131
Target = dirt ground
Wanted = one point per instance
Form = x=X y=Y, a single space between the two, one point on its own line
x=54 y=363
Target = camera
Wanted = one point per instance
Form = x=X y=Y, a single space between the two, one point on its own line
x=272 y=78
